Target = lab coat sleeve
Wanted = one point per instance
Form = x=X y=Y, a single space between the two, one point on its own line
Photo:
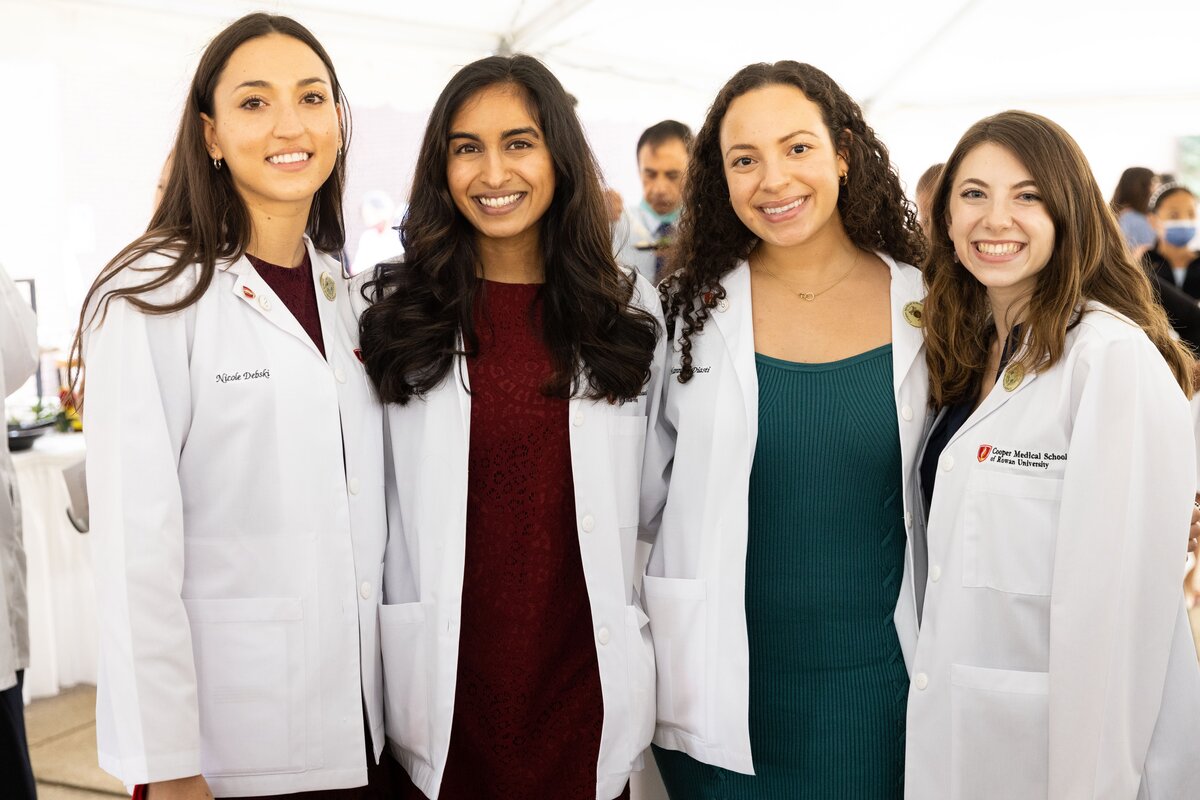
x=136 y=411
x=18 y=335
x=1119 y=561
x=660 y=439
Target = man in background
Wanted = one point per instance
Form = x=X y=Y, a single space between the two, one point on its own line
x=18 y=360
x=641 y=235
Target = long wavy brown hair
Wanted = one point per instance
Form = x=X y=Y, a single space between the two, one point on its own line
x=1089 y=261
x=201 y=219
x=601 y=346
x=712 y=240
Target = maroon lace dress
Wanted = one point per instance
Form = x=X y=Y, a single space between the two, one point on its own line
x=528 y=709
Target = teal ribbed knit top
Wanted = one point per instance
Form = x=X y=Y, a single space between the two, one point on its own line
x=824 y=560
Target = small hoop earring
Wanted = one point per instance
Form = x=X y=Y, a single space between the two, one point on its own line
x=843 y=179
x=218 y=163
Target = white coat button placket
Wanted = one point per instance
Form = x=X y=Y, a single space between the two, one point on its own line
x=588 y=523
x=935 y=573
x=921 y=680
x=352 y=485
x=948 y=463
x=365 y=590
x=602 y=636
x=906 y=412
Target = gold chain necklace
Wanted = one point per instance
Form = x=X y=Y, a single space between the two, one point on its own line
x=810 y=296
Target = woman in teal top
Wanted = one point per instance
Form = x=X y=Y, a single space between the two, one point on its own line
x=783 y=443
x=824 y=558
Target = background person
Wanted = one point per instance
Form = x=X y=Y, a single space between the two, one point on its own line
x=519 y=365
x=234 y=458
x=1173 y=216
x=644 y=232
x=1064 y=462
x=1131 y=203
x=18 y=360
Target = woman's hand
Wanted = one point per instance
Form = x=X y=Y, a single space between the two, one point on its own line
x=193 y=788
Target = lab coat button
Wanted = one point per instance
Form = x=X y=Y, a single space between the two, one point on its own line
x=948 y=463
x=935 y=573
x=352 y=485
x=339 y=375
x=365 y=590
x=921 y=680
x=578 y=421
x=265 y=302
x=722 y=304
x=602 y=636
x=906 y=412
x=908 y=519
x=587 y=523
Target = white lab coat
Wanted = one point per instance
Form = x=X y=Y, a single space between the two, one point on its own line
x=1053 y=601
x=694 y=508
x=427 y=511
x=18 y=360
x=237 y=513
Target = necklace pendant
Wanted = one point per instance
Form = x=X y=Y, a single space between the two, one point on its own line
x=809 y=296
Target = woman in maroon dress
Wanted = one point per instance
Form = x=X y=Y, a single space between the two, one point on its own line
x=519 y=364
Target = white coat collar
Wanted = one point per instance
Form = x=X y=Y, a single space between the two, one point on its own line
x=907 y=296
x=251 y=289
x=996 y=398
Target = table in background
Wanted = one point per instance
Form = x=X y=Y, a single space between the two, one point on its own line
x=59 y=583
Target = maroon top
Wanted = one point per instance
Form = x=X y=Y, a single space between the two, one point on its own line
x=528 y=708
x=296 y=289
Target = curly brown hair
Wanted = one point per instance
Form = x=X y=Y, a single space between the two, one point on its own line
x=1089 y=262
x=712 y=240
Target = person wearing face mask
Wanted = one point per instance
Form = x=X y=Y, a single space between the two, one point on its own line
x=1173 y=215
x=235 y=462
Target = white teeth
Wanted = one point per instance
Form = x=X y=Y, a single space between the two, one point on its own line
x=781 y=209
x=1005 y=249
x=501 y=202
x=288 y=158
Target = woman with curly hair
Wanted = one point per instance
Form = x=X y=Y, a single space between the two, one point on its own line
x=776 y=477
x=1054 y=651
x=518 y=363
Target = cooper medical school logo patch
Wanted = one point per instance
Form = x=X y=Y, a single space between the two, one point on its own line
x=985 y=450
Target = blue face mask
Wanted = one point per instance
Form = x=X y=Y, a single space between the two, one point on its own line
x=1179 y=232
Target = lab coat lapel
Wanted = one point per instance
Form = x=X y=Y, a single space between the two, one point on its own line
x=996 y=398
x=326 y=306
x=255 y=292
x=907 y=294
x=734 y=318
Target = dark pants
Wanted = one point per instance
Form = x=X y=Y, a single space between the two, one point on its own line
x=14 y=748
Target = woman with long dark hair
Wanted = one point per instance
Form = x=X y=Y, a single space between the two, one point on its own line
x=518 y=364
x=1055 y=657
x=234 y=458
x=777 y=477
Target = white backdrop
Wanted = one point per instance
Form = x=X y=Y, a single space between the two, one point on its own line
x=95 y=88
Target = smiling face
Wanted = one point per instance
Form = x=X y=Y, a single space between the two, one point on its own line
x=498 y=167
x=998 y=222
x=782 y=167
x=275 y=123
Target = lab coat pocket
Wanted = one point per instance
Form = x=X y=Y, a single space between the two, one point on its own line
x=250 y=683
x=1009 y=532
x=627 y=438
x=678 y=610
x=403 y=634
x=1000 y=726
x=640 y=663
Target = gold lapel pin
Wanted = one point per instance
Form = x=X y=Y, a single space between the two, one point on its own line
x=1013 y=377
x=913 y=313
x=328 y=286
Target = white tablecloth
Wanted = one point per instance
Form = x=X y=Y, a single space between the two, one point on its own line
x=62 y=614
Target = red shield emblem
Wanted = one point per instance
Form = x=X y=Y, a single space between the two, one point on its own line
x=985 y=450
x=358 y=353
x=248 y=292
